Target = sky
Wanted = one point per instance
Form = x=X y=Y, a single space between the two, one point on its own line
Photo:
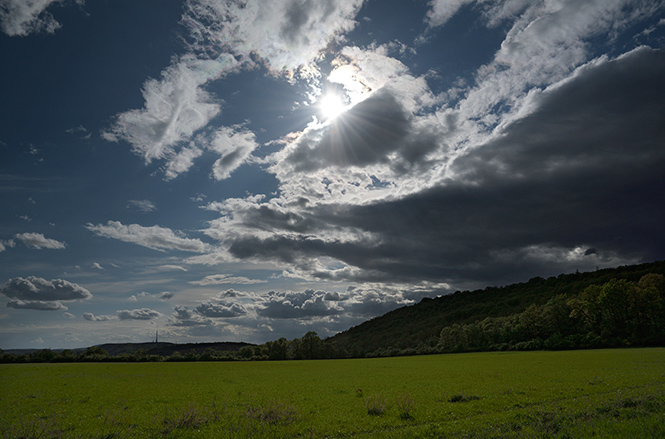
x=251 y=170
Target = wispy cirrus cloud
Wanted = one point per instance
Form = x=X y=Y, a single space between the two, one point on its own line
x=219 y=279
x=154 y=237
x=21 y=18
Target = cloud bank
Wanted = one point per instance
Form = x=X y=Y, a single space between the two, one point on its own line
x=40 y=294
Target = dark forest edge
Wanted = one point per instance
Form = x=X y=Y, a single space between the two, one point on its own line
x=607 y=308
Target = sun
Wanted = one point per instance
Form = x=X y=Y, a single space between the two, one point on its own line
x=331 y=105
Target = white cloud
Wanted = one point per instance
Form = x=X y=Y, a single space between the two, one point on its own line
x=38 y=241
x=93 y=318
x=234 y=145
x=6 y=244
x=96 y=266
x=442 y=10
x=171 y=268
x=218 y=279
x=287 y=34
x=144 y=206
x=181 y=162
x=175 y=107
x=23 y=17
x=155 y=237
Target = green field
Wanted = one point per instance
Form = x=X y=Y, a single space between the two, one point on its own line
x=599 y=393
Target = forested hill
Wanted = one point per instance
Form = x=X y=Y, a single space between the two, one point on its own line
x=419 y=326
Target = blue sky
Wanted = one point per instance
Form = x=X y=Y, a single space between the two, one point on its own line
x=245 y=171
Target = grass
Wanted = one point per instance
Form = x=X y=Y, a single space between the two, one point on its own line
x=601 y=393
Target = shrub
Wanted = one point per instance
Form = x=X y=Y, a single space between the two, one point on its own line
x=405 y=404
x=272 y=412
x=463 y=398
x=376 y=405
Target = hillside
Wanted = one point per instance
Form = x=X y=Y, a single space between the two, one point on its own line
x=421 y=324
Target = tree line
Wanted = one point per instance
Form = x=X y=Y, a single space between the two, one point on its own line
x=616 y=313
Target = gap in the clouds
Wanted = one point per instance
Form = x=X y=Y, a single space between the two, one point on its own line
x=53 y=84
x=458 y=48
x=264 y=103
x=387 y=21
x=628 y=38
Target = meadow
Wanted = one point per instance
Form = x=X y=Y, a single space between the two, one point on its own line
x=568 y=394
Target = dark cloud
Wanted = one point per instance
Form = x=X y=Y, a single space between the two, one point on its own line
x=37 y=289
x=137 y=314
x=184 y=317
x=376 y=130
x=210 y=309
x=36 y=305
x=93 y=318
x=308 y=303
x=584 y=169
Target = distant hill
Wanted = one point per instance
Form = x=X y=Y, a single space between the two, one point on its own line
x=162 y=348
x=168 y=349
x=419 y=325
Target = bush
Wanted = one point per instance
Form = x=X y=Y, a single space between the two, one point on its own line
x=376 y=405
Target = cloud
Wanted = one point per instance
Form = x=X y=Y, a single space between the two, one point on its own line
x=220 y=309
x=38 y=305
x=442 y=10
x=21 y=18
x=171 y=268
x=288 y=305
x=578 y=168
x=184 y=317
x=93 y=318
x=287 y=34
x=165 y=295
x=234 y=144
x=175 y=107
x=96 y=266
x=38 y=241
x=155 y=237
x=35 y=288
x=377 y=130
x=218 y=279
x=143 y=206
x=6 y=244
x=182 y=161
x=39 y=294
x=137 y=314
